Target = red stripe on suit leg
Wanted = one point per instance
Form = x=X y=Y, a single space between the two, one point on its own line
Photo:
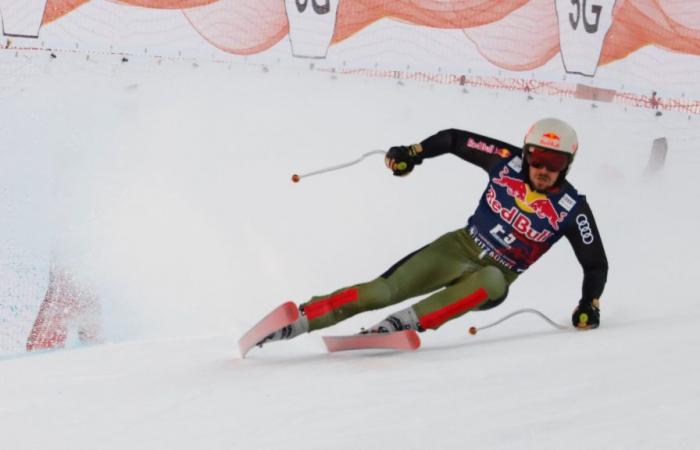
x=436 y=318
x=335 y=301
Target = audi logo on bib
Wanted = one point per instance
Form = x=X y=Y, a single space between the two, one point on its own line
x=585 y=229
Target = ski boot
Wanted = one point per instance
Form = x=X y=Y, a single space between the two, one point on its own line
x=405 y=319
x=294 y=329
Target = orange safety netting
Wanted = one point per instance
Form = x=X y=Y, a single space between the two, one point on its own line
x=513 y=34
x=535 y=87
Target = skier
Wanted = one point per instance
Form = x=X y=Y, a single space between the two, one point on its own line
x=527 y=206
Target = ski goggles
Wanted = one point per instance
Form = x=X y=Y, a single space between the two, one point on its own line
x=551 y=160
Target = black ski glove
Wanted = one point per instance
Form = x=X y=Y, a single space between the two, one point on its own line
x=586 y=315
x=401 y=160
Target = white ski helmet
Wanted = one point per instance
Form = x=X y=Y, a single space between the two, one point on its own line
x=552 y=134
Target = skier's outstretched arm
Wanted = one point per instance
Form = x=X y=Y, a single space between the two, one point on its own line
x=482 y=151
x=588 y=246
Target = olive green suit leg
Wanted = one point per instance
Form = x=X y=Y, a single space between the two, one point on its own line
x=488 y=278
x=430 y=268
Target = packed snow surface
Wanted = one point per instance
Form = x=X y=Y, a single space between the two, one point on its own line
x=166 y=187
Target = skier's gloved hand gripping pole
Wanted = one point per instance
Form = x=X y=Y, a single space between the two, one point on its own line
x=401 y=160
x=586 y=315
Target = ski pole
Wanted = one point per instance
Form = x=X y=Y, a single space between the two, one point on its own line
x=296 y=178
x=474 y=330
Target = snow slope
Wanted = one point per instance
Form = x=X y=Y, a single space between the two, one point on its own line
x=166 y=187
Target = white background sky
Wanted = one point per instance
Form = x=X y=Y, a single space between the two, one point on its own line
x=166 y=187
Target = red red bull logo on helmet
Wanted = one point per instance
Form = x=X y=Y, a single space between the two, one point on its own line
x=527 y=201
x=550 y=140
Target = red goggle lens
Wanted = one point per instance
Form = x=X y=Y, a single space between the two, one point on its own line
x=551 y=160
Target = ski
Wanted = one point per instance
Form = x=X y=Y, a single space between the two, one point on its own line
x=279 y=317
x=399 y=340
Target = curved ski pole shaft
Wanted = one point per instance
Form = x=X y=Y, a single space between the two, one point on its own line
x=296 y=178
x=474 y=330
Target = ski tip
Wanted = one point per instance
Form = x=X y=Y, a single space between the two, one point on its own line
x=245 y=346
x=242 y=350
x=284 y=314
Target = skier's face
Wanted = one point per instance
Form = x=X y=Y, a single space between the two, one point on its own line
x=544 y=166
x=542 y=178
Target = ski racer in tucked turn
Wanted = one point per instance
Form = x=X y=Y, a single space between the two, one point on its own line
x=528 y=205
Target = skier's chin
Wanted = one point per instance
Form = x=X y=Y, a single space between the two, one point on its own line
x=542 y=184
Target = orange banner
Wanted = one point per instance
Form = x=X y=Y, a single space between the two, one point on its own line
x=513 y=34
